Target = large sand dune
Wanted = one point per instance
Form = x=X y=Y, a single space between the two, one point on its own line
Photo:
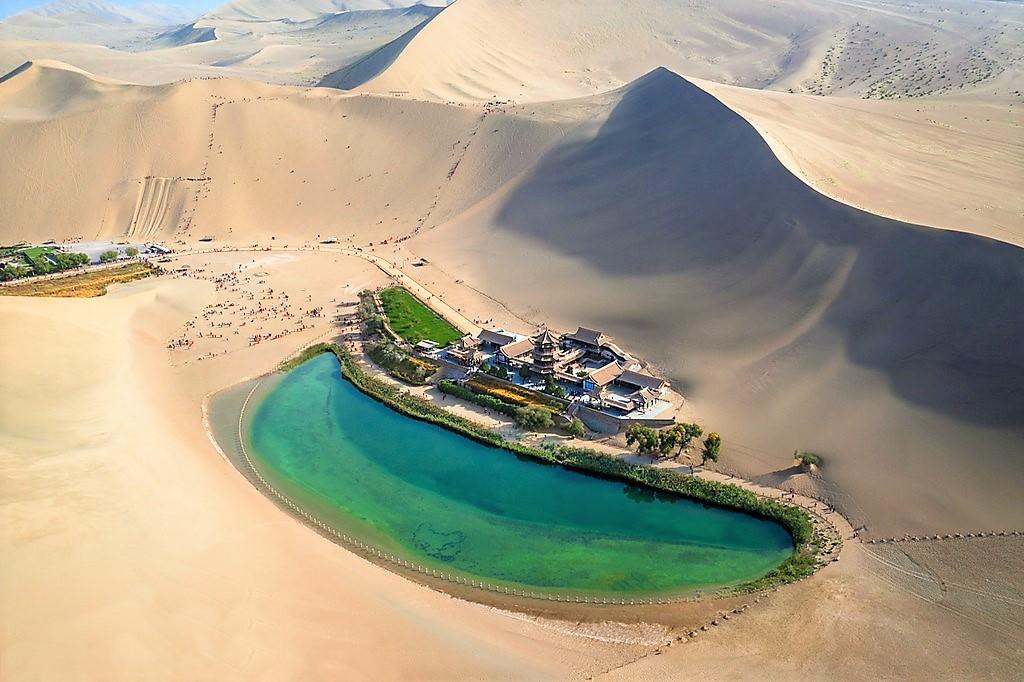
x=799 y=321
x=296 y=47
x=529 y=50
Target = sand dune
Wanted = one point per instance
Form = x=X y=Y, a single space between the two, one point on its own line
x=925 y=150
x=289 y=10
x=373 y=64
x=951 y=165
x=801 y=322
x=94 y=21
x=271 y=50
x=532 y=50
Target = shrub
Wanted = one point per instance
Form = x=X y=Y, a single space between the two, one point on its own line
x=131 y=252
x=806 y=459
x=575 y=428
x=108 y=256
x=533 y=417
x=398 y=363
x=482 y=399
x=552 y=388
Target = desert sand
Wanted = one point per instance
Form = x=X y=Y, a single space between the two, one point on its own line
x=133 y=550
x=136 y=550
x=812 y=265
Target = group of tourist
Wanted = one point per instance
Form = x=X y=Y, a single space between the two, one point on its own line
x=258 y=311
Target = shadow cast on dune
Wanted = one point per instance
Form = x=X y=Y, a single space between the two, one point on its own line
x=696 y=193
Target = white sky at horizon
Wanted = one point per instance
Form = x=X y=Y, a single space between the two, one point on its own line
x=9 y=7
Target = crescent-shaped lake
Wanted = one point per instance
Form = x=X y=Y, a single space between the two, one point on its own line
x=446 y=502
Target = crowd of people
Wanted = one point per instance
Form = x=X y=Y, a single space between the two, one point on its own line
x=246 y=306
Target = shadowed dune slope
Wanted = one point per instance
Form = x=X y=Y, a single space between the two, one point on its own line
x=690 y=185
x=794 y=320
x=373 y=64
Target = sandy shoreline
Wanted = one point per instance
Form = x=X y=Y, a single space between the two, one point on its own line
x=229 y=442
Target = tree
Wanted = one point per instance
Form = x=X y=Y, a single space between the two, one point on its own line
x=712 y=446
x=666 y=441
x=66 y=261
x=646 y=439
x=108 y=256
x=131 y=252
x=683 y=435
x=373 y=324
x=552 y=388
x=11 y=271
x=806 y=459
x=533 y=418
x=575 y=428
x=41 y=266
x=494 y=370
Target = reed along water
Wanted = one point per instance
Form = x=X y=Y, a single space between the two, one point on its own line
x=444 y=501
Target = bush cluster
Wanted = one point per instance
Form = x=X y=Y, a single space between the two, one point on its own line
x=398 y=363
x=481 y=399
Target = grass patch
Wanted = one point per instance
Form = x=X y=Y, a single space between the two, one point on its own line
x=800 y=564
x=82 y=285
x=34 y=252
x=414 y=321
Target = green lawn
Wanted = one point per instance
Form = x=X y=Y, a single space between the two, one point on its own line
x=414 y=321
x=37 y=251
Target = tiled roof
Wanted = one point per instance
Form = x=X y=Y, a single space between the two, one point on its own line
x=545 y=337
x=495 y=336
x=641 y=380
x=517 y=348
x=606 y=374
x=588 y=336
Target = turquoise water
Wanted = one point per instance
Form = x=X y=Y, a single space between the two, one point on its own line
x=447 y=502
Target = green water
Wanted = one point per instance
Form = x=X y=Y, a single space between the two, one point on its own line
x=447 y=502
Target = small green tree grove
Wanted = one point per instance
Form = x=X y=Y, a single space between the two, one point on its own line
x=644 y=438
x=712 y=446
x=533 y=417
x=684 y=434
x=806 y=459
x=552 y=388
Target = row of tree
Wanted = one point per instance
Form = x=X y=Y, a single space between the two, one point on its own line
x=61 y=260
x=41 y=265
x=661 y=443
